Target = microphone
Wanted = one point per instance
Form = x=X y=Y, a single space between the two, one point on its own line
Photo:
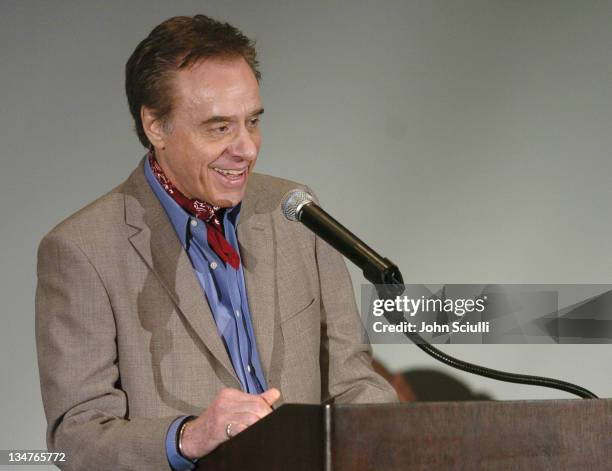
x=299 y=205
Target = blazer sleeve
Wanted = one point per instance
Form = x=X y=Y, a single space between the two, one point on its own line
x=86 y=410
x=346 y=356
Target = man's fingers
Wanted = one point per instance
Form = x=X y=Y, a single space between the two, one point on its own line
x=237 y=428
x=233 y=401
x=241 y=421
x=246 y=419
x=260 y=404
x=231 y=406
x=270 y=396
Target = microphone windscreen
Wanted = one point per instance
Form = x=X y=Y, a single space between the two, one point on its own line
x=293 y=202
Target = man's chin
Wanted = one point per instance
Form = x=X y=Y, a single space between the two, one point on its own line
x=227 y=201
x=228 y=196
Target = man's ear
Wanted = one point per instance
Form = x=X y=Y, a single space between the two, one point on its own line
x=153 y=127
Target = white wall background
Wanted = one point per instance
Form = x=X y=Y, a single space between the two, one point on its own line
x=468 y=141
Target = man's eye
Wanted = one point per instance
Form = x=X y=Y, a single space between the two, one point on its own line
x=221 y=129
x=253 y=122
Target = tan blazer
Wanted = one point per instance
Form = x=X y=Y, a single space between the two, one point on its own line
x=127 y=343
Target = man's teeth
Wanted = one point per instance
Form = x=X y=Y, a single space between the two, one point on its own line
x=229 y=172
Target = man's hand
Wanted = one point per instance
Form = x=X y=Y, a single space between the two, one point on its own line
x=204 y=434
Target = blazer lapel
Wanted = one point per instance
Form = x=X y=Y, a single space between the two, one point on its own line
x=162 y=252
x=256 y=242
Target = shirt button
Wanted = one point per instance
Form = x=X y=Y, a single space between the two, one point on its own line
x=213 y=265
x=194 y=223
x=249 y=369
x=237 y=313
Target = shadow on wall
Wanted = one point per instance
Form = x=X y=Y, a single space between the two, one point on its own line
x=426 y=385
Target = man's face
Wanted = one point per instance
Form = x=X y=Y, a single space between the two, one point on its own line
x=211 y=142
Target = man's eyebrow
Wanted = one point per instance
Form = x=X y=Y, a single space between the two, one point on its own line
x=225 y=119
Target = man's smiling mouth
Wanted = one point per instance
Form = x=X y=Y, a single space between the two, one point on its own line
x=231 y=174
x=223 y=171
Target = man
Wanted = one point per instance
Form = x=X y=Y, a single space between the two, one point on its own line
x=176 y=310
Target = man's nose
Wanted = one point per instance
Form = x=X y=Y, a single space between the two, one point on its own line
x=246 y=144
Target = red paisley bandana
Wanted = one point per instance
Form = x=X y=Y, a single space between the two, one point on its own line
x=202 y=210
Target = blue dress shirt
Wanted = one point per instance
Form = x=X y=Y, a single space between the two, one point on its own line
x=225 y=291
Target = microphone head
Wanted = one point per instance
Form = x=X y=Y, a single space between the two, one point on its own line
x=293 y=202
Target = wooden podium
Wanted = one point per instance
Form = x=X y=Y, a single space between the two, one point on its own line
x=513 y=435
